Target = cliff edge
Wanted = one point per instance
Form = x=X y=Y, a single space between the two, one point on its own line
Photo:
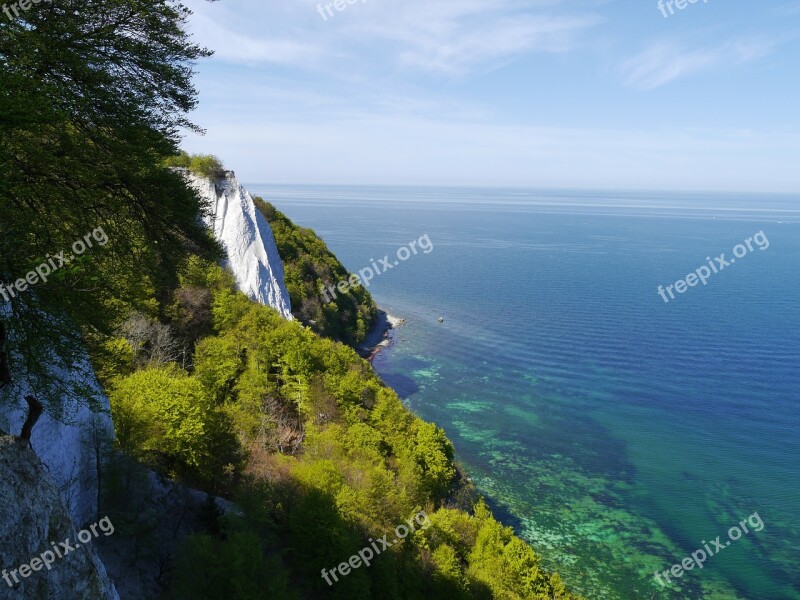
x=247 y=238
x=35 y=521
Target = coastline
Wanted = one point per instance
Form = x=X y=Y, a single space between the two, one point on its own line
x=464 y=492
x=380 y=336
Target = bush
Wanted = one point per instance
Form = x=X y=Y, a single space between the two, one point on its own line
x=207 y=165
x=309 y=265
x=204 y=165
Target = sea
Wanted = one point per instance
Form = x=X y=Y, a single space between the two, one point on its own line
x=618 y=433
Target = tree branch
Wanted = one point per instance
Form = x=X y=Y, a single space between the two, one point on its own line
x=35 y=409
x=5 y=370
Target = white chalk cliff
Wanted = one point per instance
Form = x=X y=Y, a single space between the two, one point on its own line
x=247 y=237
x=66 y=447
x=34 y=516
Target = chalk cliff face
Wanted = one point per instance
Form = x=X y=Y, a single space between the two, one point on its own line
x=33 y=517
x=55 y=484
x=247 y=237
x=68 y=448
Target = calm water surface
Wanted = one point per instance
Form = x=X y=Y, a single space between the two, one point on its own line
x=615 y=432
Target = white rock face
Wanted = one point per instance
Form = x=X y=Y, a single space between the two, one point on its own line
x=33 y=517
x=247 y=237
x=66 y=448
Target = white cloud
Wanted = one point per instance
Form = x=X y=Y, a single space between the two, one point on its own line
x=440 y=36
x=455 y=37
x=386 y=92
x=231 y=45
x=663 y=62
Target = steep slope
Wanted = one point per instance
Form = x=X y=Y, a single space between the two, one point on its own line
x=68 y=447
x=309 y=266
x=244 y=232
x=33 y=517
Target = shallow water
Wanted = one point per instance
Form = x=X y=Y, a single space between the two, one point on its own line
x=617 y=434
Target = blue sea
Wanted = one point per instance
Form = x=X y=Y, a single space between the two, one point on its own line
x=618 y=434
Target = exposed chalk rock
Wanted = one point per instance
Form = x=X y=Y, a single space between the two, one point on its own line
x=247 y=237
x=67 y=446
x=33 y=517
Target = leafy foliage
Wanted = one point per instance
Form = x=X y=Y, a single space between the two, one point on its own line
x=205 y=165
x=209 y=568
x=92 y=95
x=163 y=413
x=333 y=459
x=310 y=266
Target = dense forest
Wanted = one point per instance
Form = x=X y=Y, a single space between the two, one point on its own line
x=322 y=457
x=309 y=266
x=317 y=456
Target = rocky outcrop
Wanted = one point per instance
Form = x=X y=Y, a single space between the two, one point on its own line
x=68 y=446
x=34 y=518
x=247 y=237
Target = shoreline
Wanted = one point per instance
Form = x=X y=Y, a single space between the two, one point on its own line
x=380 y=336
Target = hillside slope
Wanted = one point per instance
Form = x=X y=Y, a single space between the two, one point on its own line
x=322 y=458
x=247 y=238
x=309 y=266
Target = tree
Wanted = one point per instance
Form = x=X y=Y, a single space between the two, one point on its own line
x=310 y=266
x=93 y=94
x=164 y=414
x=205 y=165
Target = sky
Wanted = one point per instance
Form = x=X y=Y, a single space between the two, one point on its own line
x=606 y=94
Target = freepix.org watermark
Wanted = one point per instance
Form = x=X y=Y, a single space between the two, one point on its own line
x=326 y=11
x=699 y=556
x=16 y=6
x=52 y=264
x=60 y=550
x=366 y=554
x=702 y=274
x=663 y=5
x=367 y=274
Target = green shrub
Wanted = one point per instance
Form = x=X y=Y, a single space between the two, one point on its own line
x=204 y=165
x=335 y=460
x=308 y=266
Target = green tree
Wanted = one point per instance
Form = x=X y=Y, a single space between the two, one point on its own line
x=92 y=97
x=234 y=568
x=310 y=266
x=165 y=416
x=205 y=165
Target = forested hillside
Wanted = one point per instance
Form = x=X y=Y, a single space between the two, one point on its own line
x=207 y=387
x=308 y=264
x=320 y=454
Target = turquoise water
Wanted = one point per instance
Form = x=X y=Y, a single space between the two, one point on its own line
x=613 y=431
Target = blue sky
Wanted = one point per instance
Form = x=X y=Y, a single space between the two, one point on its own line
x=542 y=93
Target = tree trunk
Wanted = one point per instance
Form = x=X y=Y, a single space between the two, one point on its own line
x=5 y=369
x=35 y=409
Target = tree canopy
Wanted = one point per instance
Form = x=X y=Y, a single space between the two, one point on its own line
x=92 y=97
x=309 y=266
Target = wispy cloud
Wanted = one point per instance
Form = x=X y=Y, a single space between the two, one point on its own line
x=501 y=92
x=235 y=46
x=663 y=62
x=430 y=36
x=455 y=37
